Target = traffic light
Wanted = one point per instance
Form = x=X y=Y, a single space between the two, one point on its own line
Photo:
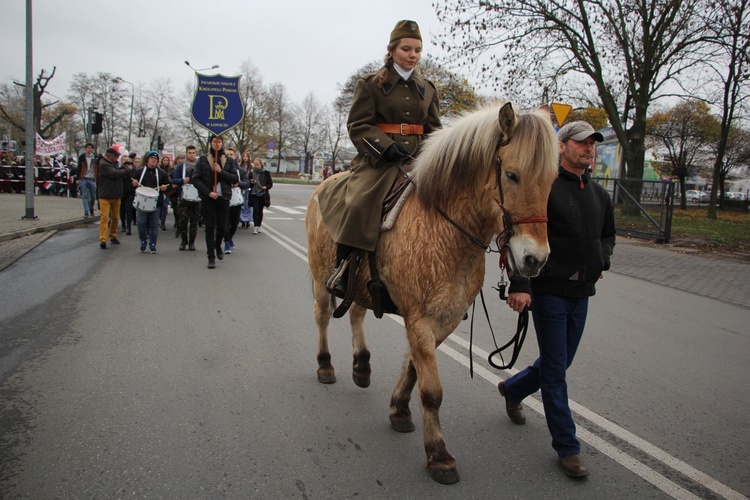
x=159 y=143
x=97 y=123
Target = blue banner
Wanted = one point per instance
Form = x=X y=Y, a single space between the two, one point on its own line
x=217 y=105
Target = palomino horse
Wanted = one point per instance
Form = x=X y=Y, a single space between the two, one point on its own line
x=487 y=167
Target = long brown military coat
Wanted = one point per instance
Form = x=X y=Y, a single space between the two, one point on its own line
x=351 y=204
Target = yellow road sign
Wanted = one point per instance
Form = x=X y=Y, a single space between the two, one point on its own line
x=561 y=111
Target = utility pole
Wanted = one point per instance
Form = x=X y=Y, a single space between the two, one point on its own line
x=30 y=131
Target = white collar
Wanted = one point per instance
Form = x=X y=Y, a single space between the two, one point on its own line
x=404 y=74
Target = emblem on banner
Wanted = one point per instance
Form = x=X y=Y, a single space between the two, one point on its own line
x=217 y=105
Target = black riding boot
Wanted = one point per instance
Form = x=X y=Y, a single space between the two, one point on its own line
x=339 y=285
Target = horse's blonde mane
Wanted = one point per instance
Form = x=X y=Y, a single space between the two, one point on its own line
x=457 y=158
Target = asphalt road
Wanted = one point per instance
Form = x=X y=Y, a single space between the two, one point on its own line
x=137 y=375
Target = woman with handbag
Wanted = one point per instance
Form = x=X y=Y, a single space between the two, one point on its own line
x=260 y=184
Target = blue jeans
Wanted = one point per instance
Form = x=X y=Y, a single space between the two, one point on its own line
x=559 y=323
x=148 y=225
x=88 y=194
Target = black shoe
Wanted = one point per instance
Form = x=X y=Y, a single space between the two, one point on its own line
x=191 y=247
x=163 y=227
x=219 y=254
x=183 y=245
x=103 y=245
x=211 y=263
x=513 y=409
x=115 y=241
x=127 y=232
x=339 y=288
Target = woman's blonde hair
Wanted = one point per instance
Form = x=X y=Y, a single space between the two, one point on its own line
x=384 y=74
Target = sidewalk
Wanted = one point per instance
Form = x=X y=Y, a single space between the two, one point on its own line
x=19 y=236
x=719 y=277
x=52 y=212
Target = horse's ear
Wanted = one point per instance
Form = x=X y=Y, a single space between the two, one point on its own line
x=545 y=109
x=507 y=119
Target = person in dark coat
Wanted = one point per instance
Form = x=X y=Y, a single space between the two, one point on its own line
x=581 y=232
x=260 y=185
x=109 y=187
x=235 y=211
x=127 y=211
x=214 y=175
x=392 y=111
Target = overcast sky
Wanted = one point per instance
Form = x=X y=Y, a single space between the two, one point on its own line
x=304 y=44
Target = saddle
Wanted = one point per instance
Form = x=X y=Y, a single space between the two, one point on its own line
x=381 y=300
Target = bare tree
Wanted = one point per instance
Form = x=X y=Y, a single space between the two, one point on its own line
x=622 y=52
x=281 y=117
x=736 y=154
x=9 y=107
x=730 y=25
x=309 y=127
x=250 y=134
x=180 y=115
x=108 y=97
x=336 y=134
x=81 y=94
x=158 y=97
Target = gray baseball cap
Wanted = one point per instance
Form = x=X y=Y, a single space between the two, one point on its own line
x=578 y=131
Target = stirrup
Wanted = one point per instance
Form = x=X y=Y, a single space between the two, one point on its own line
x=348 y=298
x=337 y=273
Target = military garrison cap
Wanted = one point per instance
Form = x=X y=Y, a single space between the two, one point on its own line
x=405 y=29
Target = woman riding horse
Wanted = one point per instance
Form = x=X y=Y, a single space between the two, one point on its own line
x=391 y=112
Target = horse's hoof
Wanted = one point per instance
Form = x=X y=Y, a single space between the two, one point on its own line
x=326 y=377
x=361 y=381
x=402 y=425
x=445 y=476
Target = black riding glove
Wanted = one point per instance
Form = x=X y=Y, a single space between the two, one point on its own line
x=394 y=153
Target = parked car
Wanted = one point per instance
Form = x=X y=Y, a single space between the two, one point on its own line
x=735 y=195
x=695 y=196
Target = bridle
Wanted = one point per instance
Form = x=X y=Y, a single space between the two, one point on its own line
x=503 y=247
x=503 y=238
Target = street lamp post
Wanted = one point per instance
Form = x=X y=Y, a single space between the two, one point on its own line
x=187 y=63
x=132 y=97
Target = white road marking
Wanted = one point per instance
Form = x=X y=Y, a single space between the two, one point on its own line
x=288 y=210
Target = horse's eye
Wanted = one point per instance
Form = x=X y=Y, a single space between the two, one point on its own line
x=511 y=176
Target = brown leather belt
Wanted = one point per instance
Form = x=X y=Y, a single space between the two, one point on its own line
x=401 y=128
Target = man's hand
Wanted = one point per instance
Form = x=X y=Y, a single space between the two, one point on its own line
x=217 y=167
x=213 y=195
x=135 y=183
x=186 y=180
x=518 y=300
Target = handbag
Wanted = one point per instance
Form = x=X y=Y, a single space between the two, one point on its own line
x=267 y=199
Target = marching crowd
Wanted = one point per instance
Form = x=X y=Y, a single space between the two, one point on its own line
x=217 y=191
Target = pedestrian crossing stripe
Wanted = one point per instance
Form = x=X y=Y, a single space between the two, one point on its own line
x=288 y=210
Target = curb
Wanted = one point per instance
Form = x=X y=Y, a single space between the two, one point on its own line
x=5 y=263
x=56 y=226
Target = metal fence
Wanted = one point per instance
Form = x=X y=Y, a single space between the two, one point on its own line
x=643 y=209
